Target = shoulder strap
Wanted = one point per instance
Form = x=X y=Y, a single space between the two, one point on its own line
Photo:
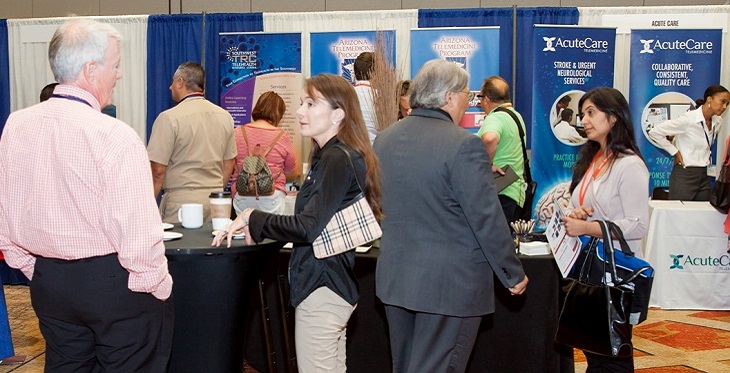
x=349 y=159
x=245 y=138
x=271 y=146
x=527 y=172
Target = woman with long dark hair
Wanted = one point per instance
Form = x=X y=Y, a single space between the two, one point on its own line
x=694 y=132
x=323 y=291
x=610 y=182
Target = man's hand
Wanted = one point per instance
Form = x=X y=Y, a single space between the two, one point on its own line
x=519 y=288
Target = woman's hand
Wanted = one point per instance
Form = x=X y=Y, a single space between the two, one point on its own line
x=574 y=227
x=575 y=222
x=581 y=213
x=241 y=223
x=678 y=160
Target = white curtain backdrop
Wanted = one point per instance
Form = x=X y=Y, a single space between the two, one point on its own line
x=28 y=41
x=402 y=21
x=690 y=17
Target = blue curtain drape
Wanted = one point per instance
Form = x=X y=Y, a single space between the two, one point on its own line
x=171 y=40
x=4 y=74
x=526 y=19
x=223 y=22
x=475 y=17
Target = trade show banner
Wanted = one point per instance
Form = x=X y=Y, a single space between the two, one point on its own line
x=252 y=63
x=569 y=61
x=669 y=70
x=475 y=49
x=335 y=52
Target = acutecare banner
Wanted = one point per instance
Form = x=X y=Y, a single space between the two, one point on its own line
x=253 y=63
x=669 y=70
x=475 y=49
x=569 y=61
x=335 y=52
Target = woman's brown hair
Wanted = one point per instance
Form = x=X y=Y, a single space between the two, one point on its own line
x=341 y=95
x=269 y=107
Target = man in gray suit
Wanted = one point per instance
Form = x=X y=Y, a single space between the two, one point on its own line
x=444 y=233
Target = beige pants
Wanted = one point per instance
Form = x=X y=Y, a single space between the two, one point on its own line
x=320 y=332
x=172 y=200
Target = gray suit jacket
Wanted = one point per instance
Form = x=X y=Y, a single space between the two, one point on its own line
x=444 y=232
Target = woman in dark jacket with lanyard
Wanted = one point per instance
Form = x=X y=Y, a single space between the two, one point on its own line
x=323 y=291
x=694 y=132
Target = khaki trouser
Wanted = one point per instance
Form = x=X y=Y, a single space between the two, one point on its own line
x=320 y=330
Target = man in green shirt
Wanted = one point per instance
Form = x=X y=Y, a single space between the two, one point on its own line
x=500 y=135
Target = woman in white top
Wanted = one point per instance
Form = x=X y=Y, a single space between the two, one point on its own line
x=610 y=182
x=694 y=132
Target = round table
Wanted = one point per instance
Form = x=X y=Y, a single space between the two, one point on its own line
x=211 y=292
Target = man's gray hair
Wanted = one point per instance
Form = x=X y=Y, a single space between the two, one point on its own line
x=434 y=80
x=77 y=42
x=193 y=74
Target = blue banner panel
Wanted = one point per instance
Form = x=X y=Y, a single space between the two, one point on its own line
x=669 y=70
x=475 y=49
x=569 y=61
x=335 y=52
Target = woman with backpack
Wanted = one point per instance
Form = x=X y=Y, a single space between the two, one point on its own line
x=263 y=189
x=324 y=291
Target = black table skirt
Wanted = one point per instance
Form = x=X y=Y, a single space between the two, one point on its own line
x=518 y=337
x=211 y=294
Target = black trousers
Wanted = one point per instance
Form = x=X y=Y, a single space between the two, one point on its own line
x=689 y=184
x=425 y=342
x=510 y=208
x=92 y=322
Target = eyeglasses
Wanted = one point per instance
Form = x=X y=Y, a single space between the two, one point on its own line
x=481 y=96
x=469 y=94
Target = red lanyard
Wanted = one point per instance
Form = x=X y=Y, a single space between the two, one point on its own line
x=585 y=182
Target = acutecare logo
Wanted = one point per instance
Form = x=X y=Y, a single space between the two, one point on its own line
x=647 y=46
x=684 y=261
x=588 y=44
x=675 y=261
x=689 y=46
x=548 y=44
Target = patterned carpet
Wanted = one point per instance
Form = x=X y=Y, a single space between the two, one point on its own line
x=676 y=341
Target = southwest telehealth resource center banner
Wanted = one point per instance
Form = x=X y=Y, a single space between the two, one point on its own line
x=475 y=49
x=569 y=61
x=669 y=70
x=335 y=52
x=254 y=63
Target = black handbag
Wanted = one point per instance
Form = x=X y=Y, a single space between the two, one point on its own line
x=595 y=316
x=720 y=196
x=632 y=272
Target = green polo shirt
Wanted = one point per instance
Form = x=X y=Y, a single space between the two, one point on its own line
x=509 y=149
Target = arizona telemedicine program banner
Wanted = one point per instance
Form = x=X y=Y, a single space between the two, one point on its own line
x=254 y=63
x=569 y=61
x=335 y=52
x=669 y=70
x=475 y=49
